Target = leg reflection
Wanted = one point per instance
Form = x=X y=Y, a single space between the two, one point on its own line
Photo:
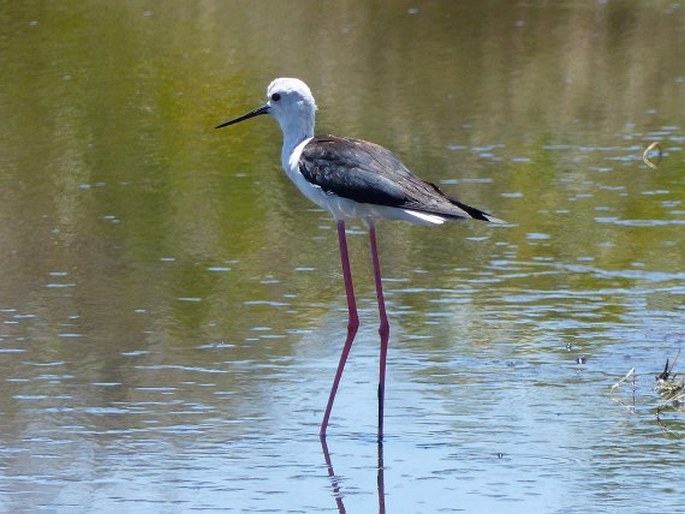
x=335 y=484
x=380 y=480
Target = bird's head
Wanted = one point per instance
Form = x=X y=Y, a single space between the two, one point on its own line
x=290 y=101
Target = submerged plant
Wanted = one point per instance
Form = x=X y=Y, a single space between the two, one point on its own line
x=669 y=387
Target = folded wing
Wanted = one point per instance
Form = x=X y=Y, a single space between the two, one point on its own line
x=368 y=173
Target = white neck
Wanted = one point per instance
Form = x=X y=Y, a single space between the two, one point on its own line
x=295 y=130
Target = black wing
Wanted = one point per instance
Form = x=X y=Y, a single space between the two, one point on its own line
x=368 y=173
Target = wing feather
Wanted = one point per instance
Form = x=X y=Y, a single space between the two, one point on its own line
x=368 y=173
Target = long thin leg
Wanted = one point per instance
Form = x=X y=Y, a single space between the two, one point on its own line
x=383 y=329
x=352 y=324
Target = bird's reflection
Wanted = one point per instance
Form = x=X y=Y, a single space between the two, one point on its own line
x=335 y=483
x=380 y=481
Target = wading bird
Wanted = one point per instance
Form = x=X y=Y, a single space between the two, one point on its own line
x=352 y=178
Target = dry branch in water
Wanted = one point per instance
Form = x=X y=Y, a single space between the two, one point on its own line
x=646 y=157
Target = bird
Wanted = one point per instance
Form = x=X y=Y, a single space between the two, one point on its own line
x=353 y=178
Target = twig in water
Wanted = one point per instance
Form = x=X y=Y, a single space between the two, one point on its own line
x=632 y=376
x=645 y=155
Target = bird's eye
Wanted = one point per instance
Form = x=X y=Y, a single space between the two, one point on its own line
x=276 y=97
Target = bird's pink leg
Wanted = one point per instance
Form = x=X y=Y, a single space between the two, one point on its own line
x=383 y=329
x=352 y=324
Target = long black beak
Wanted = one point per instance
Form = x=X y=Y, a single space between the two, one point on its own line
x=251 y=114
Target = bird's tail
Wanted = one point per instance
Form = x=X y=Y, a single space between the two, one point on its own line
x=476 y=214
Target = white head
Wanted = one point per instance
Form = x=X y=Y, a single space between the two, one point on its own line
x=291 y=102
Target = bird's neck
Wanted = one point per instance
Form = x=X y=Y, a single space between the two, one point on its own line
x=294 y=132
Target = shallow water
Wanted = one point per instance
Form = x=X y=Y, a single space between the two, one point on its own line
x=172 y=310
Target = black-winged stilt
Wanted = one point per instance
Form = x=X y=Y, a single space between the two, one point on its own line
x=352 y=178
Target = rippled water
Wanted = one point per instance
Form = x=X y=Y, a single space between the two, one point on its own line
x=172 y=311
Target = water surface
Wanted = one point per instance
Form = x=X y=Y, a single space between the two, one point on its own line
x=172 y=310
